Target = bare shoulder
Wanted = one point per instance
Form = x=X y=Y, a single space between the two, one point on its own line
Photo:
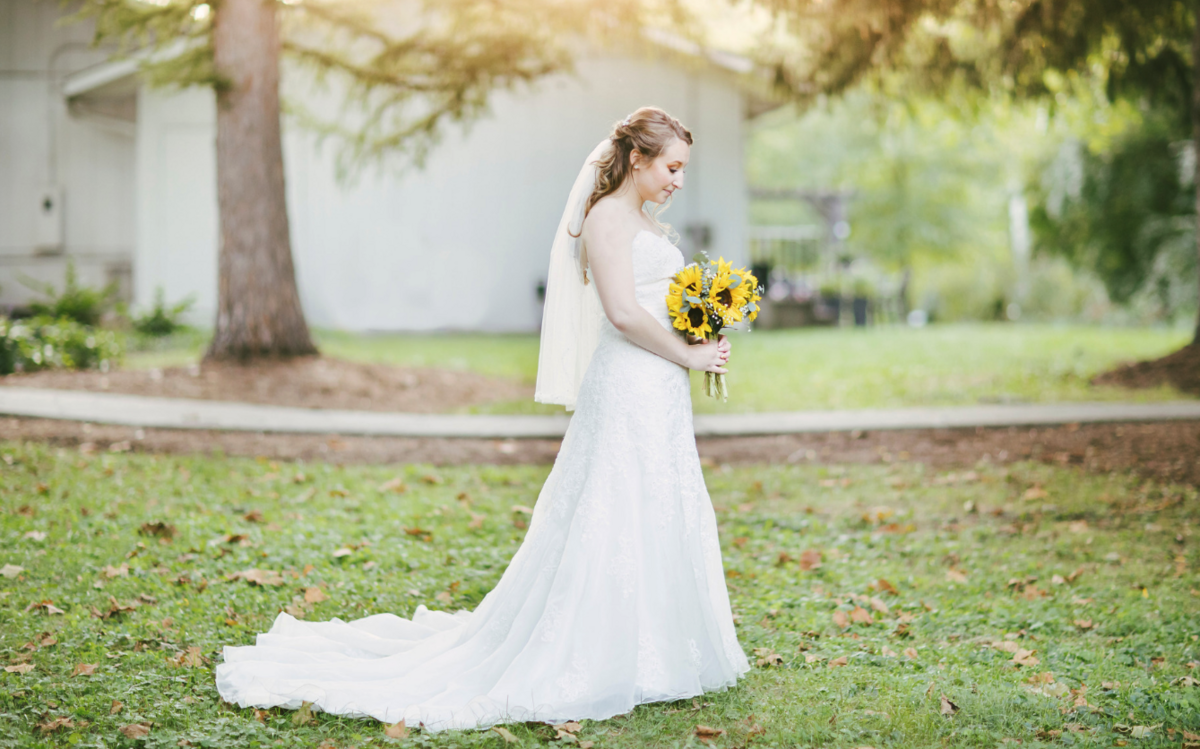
x=607 y=227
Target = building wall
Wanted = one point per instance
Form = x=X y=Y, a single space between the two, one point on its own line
x=461 y=244
x=88 y=157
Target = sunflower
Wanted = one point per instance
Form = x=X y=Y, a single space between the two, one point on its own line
x=729 y=292
x=685 y=303
x=751 y=283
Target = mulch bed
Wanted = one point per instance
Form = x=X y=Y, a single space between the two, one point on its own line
x=1180 y=369
x=307 y=382
x=1163 y=451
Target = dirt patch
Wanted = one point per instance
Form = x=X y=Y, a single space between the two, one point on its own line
x=1164 y=451
x=307 y=382
x=1180 y=369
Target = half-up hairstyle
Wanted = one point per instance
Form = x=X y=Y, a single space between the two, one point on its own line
x=648 y=131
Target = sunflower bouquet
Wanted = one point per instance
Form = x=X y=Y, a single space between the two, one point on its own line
x=705 y=299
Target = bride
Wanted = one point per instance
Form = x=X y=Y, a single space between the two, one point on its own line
x=617 y=596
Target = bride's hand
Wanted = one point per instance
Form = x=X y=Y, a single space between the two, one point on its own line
x=724 y=345
x=707 y=356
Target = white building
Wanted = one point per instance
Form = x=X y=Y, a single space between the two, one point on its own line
x=120 y=177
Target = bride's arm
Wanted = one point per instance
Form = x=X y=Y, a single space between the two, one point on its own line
x=611 y=262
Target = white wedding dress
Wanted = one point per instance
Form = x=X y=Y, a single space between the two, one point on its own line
x=615 y=598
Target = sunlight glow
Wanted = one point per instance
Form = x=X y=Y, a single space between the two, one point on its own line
x=200 y=12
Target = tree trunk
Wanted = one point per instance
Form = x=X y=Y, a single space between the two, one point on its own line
x=1196 y=141
x=258 y=307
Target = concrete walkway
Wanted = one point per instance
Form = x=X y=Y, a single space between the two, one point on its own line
x=180 y=413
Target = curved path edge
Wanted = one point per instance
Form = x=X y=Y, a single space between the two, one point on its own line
x=183 y=413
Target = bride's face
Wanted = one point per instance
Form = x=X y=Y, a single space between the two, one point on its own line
x=655 y=179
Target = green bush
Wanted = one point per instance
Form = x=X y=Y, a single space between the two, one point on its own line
x=82 y=304
x=162 y=320
x=48 y=343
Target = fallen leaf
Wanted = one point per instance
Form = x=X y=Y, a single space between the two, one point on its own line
x=396 y=730
x=1025 y=658
x=444 y=597
x=810 y=559
x=1034 y=492
x=841 y=618
x=116 y=707
x=258 y=577
x=948 y=707
x=84 y=669
x=888 y=652
x=878 y=605
x=861 y=616
x=767 y=657
x=883 y=586
x=20 y=668
x=304 y=715
x=1007 y=646
x=189 y=658
x=36 y=535
x=159 y=529
x=314 y=595
x=261 y=715
x=910 y=653
x=1186 y=681
x=956 y=576
x=396 y=485
x=839 y=662
x=254 y=516
x=11 y=570
x=476 y=520
x=506 y=735
x=46 y=607
x=1084 y=623
x=51 y=726
x=110 y=571
x=136 y=730
x=708 y=732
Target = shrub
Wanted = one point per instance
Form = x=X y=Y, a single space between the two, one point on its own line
x=47 y=343
x=162 y=320
x=82 y=304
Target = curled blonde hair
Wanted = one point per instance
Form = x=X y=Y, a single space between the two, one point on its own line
x=649 y=130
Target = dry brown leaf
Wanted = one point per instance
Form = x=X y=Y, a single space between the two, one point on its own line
x=396 y=485
x=1025 y=658
x=910 y=653
x=20 y=668
x=810 y=559
x=159 y=529
x=767 y=657
x=1034 y=492
x=879 y=605
x=110 y=571
x=11 y=570
x=304 y=715
x=1007 y=646
x=708 y=732
x=476 y=520
x=36 y=535
x=396 y=731
x=1084 y=623
x=883 y=586
x=116 y=707
x=810 y=658
x=51 y=726
x=505 y=734
x=258 y=577
x=888 y=652
x=841 y=618
x=956 y=576
x=861 y=616
x=839 y=662
x=444 y=597
x=948 y=707
x=189 y=658
x=136 y=730
x=314 y=595
x=84 y=669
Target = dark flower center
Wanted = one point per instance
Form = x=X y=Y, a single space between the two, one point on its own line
x=695 y=317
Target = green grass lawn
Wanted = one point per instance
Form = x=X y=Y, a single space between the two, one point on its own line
x=940 y=577
x=815 y=368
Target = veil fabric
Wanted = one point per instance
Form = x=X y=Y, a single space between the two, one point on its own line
x=572 y=313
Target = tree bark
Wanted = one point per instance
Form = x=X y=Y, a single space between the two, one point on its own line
x=1196 y=140
x=258 y=306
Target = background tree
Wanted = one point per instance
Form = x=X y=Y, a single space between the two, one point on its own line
x=404 y=70
x=1147 y=51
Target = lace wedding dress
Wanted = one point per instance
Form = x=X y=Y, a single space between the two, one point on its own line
x=616 y=597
